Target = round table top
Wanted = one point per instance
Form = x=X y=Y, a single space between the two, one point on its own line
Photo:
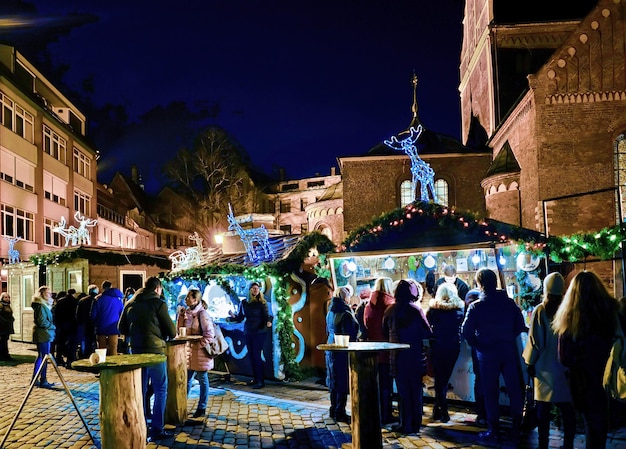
x=365 y=346
x=122 y=362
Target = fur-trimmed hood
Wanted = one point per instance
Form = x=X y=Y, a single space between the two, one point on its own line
x=39 y=300
x=453 y=303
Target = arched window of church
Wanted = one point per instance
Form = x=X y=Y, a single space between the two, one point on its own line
x=406 y=195
x=619 y=153
x=441 y=190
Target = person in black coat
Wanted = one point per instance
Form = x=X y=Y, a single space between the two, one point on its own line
x=405 y=322
x=340 y=320
x=492 y=325
x=65 y=320
x=450 y=277
x=258 y=320
x=6 y=325
x=445 y=316
x=86 y=333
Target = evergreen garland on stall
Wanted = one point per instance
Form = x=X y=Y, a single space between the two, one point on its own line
x=279 y=272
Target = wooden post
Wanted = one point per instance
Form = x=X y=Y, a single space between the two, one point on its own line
x=176 y=404
x=365 y=405
x=122 y=422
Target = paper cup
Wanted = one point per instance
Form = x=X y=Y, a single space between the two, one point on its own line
x=342 y=340
x=182 y=332
x=94 y=359
x=102 y=354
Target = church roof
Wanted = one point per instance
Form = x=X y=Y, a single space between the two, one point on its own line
x=504 y=162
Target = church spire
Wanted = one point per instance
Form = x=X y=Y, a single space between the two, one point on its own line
x=415 y=121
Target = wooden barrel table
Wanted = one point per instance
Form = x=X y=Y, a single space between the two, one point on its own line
x=364 y=401
x=176 y=404
x=122 y=421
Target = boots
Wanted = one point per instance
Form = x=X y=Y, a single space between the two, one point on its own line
x=445 y=417
x=199 y=412
x=436 y=415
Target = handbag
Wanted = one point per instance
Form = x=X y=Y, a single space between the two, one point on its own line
x=219 y=345
x=614 y=379
x=529 y=416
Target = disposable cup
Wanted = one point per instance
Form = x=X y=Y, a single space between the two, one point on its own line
x=102 y=355
x=342 y=340
x=182 y=331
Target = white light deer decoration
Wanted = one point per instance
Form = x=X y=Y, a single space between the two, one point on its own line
x=68 y=233
x=192 y=256
x=73 y=235
x=250 y=237
x=14 y=255
x=82 y=233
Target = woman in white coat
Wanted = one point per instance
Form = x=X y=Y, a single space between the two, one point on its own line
x=541 y=357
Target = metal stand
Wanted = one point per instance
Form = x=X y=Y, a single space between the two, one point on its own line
x=30 y=389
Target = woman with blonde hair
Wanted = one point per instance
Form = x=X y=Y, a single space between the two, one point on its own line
x=43 y=332
x=445 y=315
x=196 y=319
x=586 y=323
x=380 y=300
x=258 y=320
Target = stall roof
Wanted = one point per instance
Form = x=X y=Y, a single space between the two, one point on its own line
x=428 y=225
x=103 y=256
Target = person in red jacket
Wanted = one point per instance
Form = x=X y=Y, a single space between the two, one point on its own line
x=380 y=299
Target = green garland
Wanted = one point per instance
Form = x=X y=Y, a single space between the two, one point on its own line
x=528 y=298
x=100 y=257
x=280 y=272
x=420 y=216
x=604 y=244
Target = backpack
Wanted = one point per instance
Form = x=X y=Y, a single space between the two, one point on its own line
x=614 y=379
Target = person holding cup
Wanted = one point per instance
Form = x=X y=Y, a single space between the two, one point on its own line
x=194 y=319
x=340 y=320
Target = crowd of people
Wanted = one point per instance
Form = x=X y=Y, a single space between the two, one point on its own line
x=569 y=339
x=570 y=336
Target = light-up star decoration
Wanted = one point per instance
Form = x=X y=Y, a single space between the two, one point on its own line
x=251 y=238
x=14 y=255
x=421 y=171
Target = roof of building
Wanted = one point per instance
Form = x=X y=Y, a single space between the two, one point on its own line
x=504 y=162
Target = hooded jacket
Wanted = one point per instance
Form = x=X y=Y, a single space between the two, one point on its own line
x=44 y=330
x=405 y=322
x=106 y=311
x=146 y=322
x=445 y=318
x=373 y=319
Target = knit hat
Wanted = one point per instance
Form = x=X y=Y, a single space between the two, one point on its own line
x=554 y=284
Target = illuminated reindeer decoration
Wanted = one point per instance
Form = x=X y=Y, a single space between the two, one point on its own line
x=76 y=236
x=192 y=256
x=14 y=255
x=421 y=171
x=251 y=236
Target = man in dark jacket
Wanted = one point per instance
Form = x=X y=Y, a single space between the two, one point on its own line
x=449 y=275
x=492 y=325
x=86 y=334
x=65 y=320
x=105 y=313
x=147 y=325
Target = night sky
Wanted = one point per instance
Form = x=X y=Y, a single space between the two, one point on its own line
x=297 y=83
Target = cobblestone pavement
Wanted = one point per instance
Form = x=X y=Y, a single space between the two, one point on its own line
x=282 y=415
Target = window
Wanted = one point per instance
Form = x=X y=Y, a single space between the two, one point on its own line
x=82 y=203
x=17 y=171
x=406 y=193
x=54 y=189
x=619 y=154
x=285 y=206
x=289 y=187
x=54 y=145
x=304 y=228
x=17 y=223
x=16 y=118
x=286 y=229
x=82 y=163
x=312 y=184
x=304 y=202
x=441 y=190
x=51 y=238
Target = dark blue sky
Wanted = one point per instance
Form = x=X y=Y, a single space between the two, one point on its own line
x=298 y=83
